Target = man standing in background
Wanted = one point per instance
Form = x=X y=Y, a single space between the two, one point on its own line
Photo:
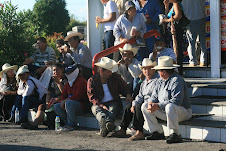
x=110 y=16
x=195 y=11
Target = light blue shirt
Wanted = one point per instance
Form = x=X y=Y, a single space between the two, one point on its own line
x=123 y=26
x=146 y=90
x=82 y=55
x=173 y=90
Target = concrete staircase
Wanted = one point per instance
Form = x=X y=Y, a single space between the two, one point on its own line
x=208 y=97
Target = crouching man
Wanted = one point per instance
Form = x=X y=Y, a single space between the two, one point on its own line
x=103 y=90
x=169 y=101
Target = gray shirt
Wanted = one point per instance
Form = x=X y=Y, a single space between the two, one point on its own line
x=82 y=56
x=173 y=90
x=146 y=90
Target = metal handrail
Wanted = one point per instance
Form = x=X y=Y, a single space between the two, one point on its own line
x=116 y=48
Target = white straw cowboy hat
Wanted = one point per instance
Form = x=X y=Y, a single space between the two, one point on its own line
x=22 y=70
x=146 y=63
x=128 y=47
x=7 y=67
x=165 y=62
x=72 y=34
x=108 y=64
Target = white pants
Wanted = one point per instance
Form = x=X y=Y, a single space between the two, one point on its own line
x=173 y=115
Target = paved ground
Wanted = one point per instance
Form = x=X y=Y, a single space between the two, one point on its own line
x=12 y=138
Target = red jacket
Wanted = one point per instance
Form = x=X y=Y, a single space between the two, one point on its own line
x=77 y=92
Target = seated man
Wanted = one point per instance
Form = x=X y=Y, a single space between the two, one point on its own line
x=73 y=99
x=80 y=53
x=31 y=94
x=65 y=58
x=103 y=90
x=42 y=57
x=128 y=65
x=161 y=50
x=133 y=111
x=169 y=101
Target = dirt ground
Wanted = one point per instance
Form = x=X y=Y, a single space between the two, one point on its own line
x=13 y=138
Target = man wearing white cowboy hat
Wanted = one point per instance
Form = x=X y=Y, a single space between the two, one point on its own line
x=132 y=112
x=128 y=65
x=169 y=101
x=80 y=53
x=8 y=88
x=103 y=90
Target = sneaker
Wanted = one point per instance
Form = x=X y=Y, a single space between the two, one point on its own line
x=103 y=129
x=110 y=126
x=29 y=126
x=155 y=136
x=67 y=128
x=202 y=64
x=174 y=138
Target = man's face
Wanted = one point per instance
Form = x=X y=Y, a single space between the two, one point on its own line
x=106 y=73
x=41 y=45
x=159 y=46
x=73 y=43
x=127 y=55
x=148 y=72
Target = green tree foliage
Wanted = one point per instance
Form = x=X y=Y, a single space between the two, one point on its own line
x=74 y=22
x=16 y=35
x=51 y=16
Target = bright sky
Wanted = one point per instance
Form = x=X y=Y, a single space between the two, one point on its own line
x=76 y=7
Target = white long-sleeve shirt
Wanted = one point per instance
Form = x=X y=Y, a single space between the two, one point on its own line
x=27 y=89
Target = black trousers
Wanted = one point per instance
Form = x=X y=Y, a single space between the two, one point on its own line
x=179 y=37
x=136 y=118
x=6 y=105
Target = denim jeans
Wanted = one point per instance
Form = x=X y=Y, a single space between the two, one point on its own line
x=195 y=28
x=108 y=41
x=110 y=115
x=72 y=109
x=24 y=104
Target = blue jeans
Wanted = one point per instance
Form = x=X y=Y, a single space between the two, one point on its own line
x=110 y=115
x=144 y=52
x=72 y=109
x=24 y=104
x=195 y=28
x=108 y=41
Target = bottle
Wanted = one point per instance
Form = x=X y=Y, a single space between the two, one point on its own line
x=57 y=123
x=17 y=115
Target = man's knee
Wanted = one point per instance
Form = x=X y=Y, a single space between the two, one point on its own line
x=170 y=107
x=57 y=107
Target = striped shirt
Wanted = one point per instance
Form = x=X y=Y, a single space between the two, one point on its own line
x=38 y=57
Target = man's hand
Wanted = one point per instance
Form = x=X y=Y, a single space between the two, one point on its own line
x=123 y=40
x=152 y=107
x=132 y=109
x=129 y=98
x=98 y=20
x=7 y=93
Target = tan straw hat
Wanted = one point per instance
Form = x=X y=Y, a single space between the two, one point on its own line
x=165 y=62
x=146 y=63
x=108 y=64
x=7 y=67
x=72 y=34
x=128 y=47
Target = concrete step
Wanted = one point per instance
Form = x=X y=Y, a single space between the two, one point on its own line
x=201 y=72
x=206 y=86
